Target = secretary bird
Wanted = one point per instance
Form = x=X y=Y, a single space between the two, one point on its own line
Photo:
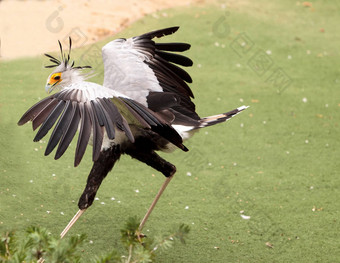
x=143 y=106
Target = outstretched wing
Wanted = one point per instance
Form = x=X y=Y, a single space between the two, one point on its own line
x=147 y=72
x=96 y=114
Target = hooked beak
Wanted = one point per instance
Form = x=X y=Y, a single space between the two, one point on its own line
x=50 y=87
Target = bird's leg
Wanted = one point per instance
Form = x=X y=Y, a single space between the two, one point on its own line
x=155 y=161
x=154 y=202
x=100 y=169
x=71 y=223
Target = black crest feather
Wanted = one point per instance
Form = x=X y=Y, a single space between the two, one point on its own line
x=63 y=58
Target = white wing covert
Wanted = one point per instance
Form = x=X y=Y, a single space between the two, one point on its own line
x=146 y=72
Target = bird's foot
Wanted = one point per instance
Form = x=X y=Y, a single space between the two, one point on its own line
x=140 y=236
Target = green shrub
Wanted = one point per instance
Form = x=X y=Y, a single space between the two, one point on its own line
x=38 y=245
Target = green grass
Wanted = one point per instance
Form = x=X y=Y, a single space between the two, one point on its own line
x=278 y=161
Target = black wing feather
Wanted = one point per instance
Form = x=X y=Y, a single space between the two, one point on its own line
x=108 y=123
x=159 y=33
x=84 y=134
x=158 y=101
x=175 y=58
x=50 y=120
x=97 y=130
x=43 y=114
x=119 y=120
x=175 y=69
x=98 y=112
x=34 y=110
x=159 y=67
x=70 y=131
x=143 y=112
x=157 y=125
x=177 y=47
x=60 y=128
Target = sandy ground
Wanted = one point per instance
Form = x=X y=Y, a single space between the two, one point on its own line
x=32 y=27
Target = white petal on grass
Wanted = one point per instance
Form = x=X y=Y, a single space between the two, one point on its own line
x=289 y=57
x=269 y=52
x=112 y=198
x=304 y=100
x=137 y=191
x=31 y=181
x=62 y=213
x=97 y=199
x=245 y=217
x=102 y=203
x=306 y=141
x=186 y=208
x=188 y=174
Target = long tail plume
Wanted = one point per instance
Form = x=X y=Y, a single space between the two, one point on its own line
x=212 y=120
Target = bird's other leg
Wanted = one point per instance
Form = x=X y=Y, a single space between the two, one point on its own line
x=100 y=169
x=152 y=159
x=155 y=161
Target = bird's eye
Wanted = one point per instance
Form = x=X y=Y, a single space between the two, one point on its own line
x=56 y=77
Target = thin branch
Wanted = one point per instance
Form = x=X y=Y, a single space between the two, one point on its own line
x=130 y=253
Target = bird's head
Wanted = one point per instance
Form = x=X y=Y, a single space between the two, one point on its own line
x=65 y=72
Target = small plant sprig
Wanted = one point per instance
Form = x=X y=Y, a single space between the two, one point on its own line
x=143 y=249
x=38 y=245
